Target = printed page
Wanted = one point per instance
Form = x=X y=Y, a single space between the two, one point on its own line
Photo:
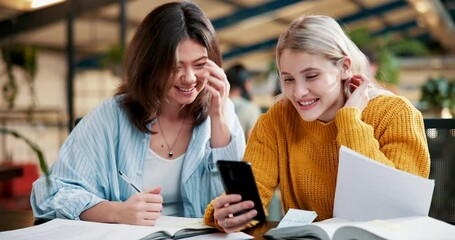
x=222 y=236
x=58 y=229
x=311 y=230
x=71 y=229
x=180 y=222
x=415 y=228
x=174 y=225
x=323 y=230
x=368 y=190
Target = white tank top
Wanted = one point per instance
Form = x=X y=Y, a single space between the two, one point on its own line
x=165 y=173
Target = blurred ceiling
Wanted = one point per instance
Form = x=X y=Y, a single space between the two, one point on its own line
x=247 y=29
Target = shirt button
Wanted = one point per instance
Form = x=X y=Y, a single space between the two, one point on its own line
x=139 y=173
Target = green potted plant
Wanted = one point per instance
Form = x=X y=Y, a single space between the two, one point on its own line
x=437 y=94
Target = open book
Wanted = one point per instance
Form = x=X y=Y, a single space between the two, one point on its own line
x=166 y=228
x=412 y=228
x=179 y=227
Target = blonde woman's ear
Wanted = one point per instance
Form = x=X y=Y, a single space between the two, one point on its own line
x=346 y=72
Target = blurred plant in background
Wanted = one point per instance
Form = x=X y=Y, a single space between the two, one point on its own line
x=113 y=59
x=387 y=50
x=36 y=149
x=25 y=58
x=437 y=94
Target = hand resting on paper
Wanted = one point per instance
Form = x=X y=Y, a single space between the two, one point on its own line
x=226 y=206
x=140 y=209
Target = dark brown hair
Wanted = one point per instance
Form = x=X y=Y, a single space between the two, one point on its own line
x=151 y=61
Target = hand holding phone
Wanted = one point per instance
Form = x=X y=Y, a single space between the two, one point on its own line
x=238 y=178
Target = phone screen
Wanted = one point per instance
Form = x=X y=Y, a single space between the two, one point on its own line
x=238 y=178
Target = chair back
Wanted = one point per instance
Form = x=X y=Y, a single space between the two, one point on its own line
x=440 y=135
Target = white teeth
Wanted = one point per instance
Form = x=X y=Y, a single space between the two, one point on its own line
x=306 y=103
x=185 y=89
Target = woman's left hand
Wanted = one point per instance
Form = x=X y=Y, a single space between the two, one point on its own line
x=359 y=97
x=225 y=207
x=218 y=87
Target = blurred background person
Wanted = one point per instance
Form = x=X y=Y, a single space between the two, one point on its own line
x=240 y=94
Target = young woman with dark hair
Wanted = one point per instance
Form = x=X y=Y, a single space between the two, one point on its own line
x=165 y=128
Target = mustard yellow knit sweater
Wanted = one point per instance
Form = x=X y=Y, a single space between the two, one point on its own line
x=303 y=156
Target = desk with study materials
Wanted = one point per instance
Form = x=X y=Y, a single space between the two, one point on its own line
x=10 y=220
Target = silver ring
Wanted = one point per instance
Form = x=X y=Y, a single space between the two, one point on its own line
x=226 y=223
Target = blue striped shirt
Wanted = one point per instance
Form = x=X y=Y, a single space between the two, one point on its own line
x=104 y=142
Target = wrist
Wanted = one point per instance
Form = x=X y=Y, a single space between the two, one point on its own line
x=104 y=211
x=217 y=117
x=220 y=134
x=115 y=214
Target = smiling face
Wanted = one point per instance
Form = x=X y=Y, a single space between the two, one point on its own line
x=191 y=76
x=312 y=83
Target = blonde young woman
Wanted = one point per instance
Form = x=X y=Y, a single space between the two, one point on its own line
x=327 y=101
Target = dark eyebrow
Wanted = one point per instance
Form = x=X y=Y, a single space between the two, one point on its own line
x=203 y=57
x=199 y=59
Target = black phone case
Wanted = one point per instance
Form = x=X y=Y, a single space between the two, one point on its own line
x=238 y=178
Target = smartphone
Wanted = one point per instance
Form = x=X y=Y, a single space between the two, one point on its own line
x=238 y=178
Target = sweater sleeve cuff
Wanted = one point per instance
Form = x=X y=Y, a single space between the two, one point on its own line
x=209 y=219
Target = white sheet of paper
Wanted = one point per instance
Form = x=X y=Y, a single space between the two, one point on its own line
x=84 y=230
x=368 y=190
x=297 y=217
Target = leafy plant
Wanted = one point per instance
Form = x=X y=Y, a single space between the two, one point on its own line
x=386 y=51
x=438 y=93
x=33 y=146
x=113 y=59
x=24 y=57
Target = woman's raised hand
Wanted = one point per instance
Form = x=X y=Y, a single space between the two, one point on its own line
x=218 y=87
x=359 y=97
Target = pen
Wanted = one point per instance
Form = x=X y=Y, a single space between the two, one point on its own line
x=124 y=177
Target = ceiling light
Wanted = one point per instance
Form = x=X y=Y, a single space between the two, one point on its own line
x=42 y=3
